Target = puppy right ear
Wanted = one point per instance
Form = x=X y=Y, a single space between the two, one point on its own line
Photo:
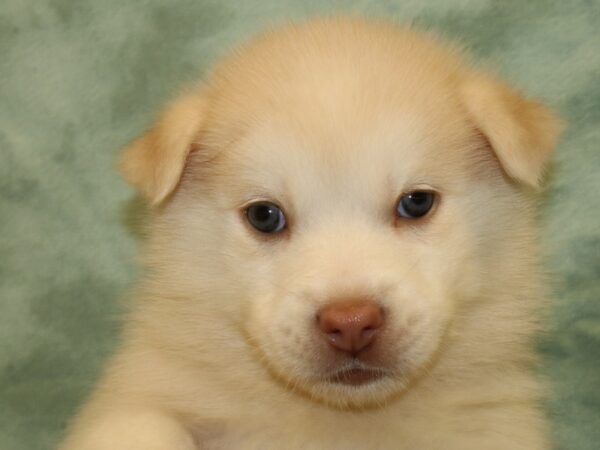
x=154 y=162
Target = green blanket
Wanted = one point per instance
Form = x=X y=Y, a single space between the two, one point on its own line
x=78 y=79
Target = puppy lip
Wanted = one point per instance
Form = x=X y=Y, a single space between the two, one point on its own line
x=356 y=376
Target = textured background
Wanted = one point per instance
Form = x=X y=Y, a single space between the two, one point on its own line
x=78 y=79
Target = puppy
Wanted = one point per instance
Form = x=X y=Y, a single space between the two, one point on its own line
x=342 y=255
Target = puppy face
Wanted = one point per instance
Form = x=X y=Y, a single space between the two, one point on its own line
x=345 y=243
x=336 y=194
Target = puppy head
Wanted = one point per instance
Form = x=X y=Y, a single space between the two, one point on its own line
x=332 y=197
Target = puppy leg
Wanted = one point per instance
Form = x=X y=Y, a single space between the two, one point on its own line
x=129 y=430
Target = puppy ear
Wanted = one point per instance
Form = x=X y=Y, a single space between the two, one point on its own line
x=522 y=132
x=154 y=162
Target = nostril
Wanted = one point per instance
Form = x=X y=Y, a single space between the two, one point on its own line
x=334 y=333
x=369 y=331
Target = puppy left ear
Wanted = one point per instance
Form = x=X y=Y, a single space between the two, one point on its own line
x=522 y=132
x=154 y=162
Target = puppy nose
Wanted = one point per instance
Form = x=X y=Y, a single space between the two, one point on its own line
x=350 y=327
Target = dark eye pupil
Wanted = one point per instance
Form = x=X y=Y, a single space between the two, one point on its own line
x=415 y=204
x=263 y=214
x=266 y=217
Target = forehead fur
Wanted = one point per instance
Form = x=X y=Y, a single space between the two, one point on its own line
x=330 y=73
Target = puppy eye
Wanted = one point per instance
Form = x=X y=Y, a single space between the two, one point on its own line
x=266 y=217
x=415 y=204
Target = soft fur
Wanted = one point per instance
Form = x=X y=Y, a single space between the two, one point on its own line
x=333 y=119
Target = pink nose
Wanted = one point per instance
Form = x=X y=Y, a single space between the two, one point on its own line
x=350 y=327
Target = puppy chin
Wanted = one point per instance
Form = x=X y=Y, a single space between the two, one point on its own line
x=357 y=388
x=352 y=386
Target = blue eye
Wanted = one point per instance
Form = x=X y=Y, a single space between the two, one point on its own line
x=415 y=204
x=266 y=217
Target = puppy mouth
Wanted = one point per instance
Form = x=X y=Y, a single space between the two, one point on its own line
x=356 y=375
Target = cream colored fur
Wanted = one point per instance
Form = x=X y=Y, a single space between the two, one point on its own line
x=334 y=119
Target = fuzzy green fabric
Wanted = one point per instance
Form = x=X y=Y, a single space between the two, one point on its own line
x=78 y=79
